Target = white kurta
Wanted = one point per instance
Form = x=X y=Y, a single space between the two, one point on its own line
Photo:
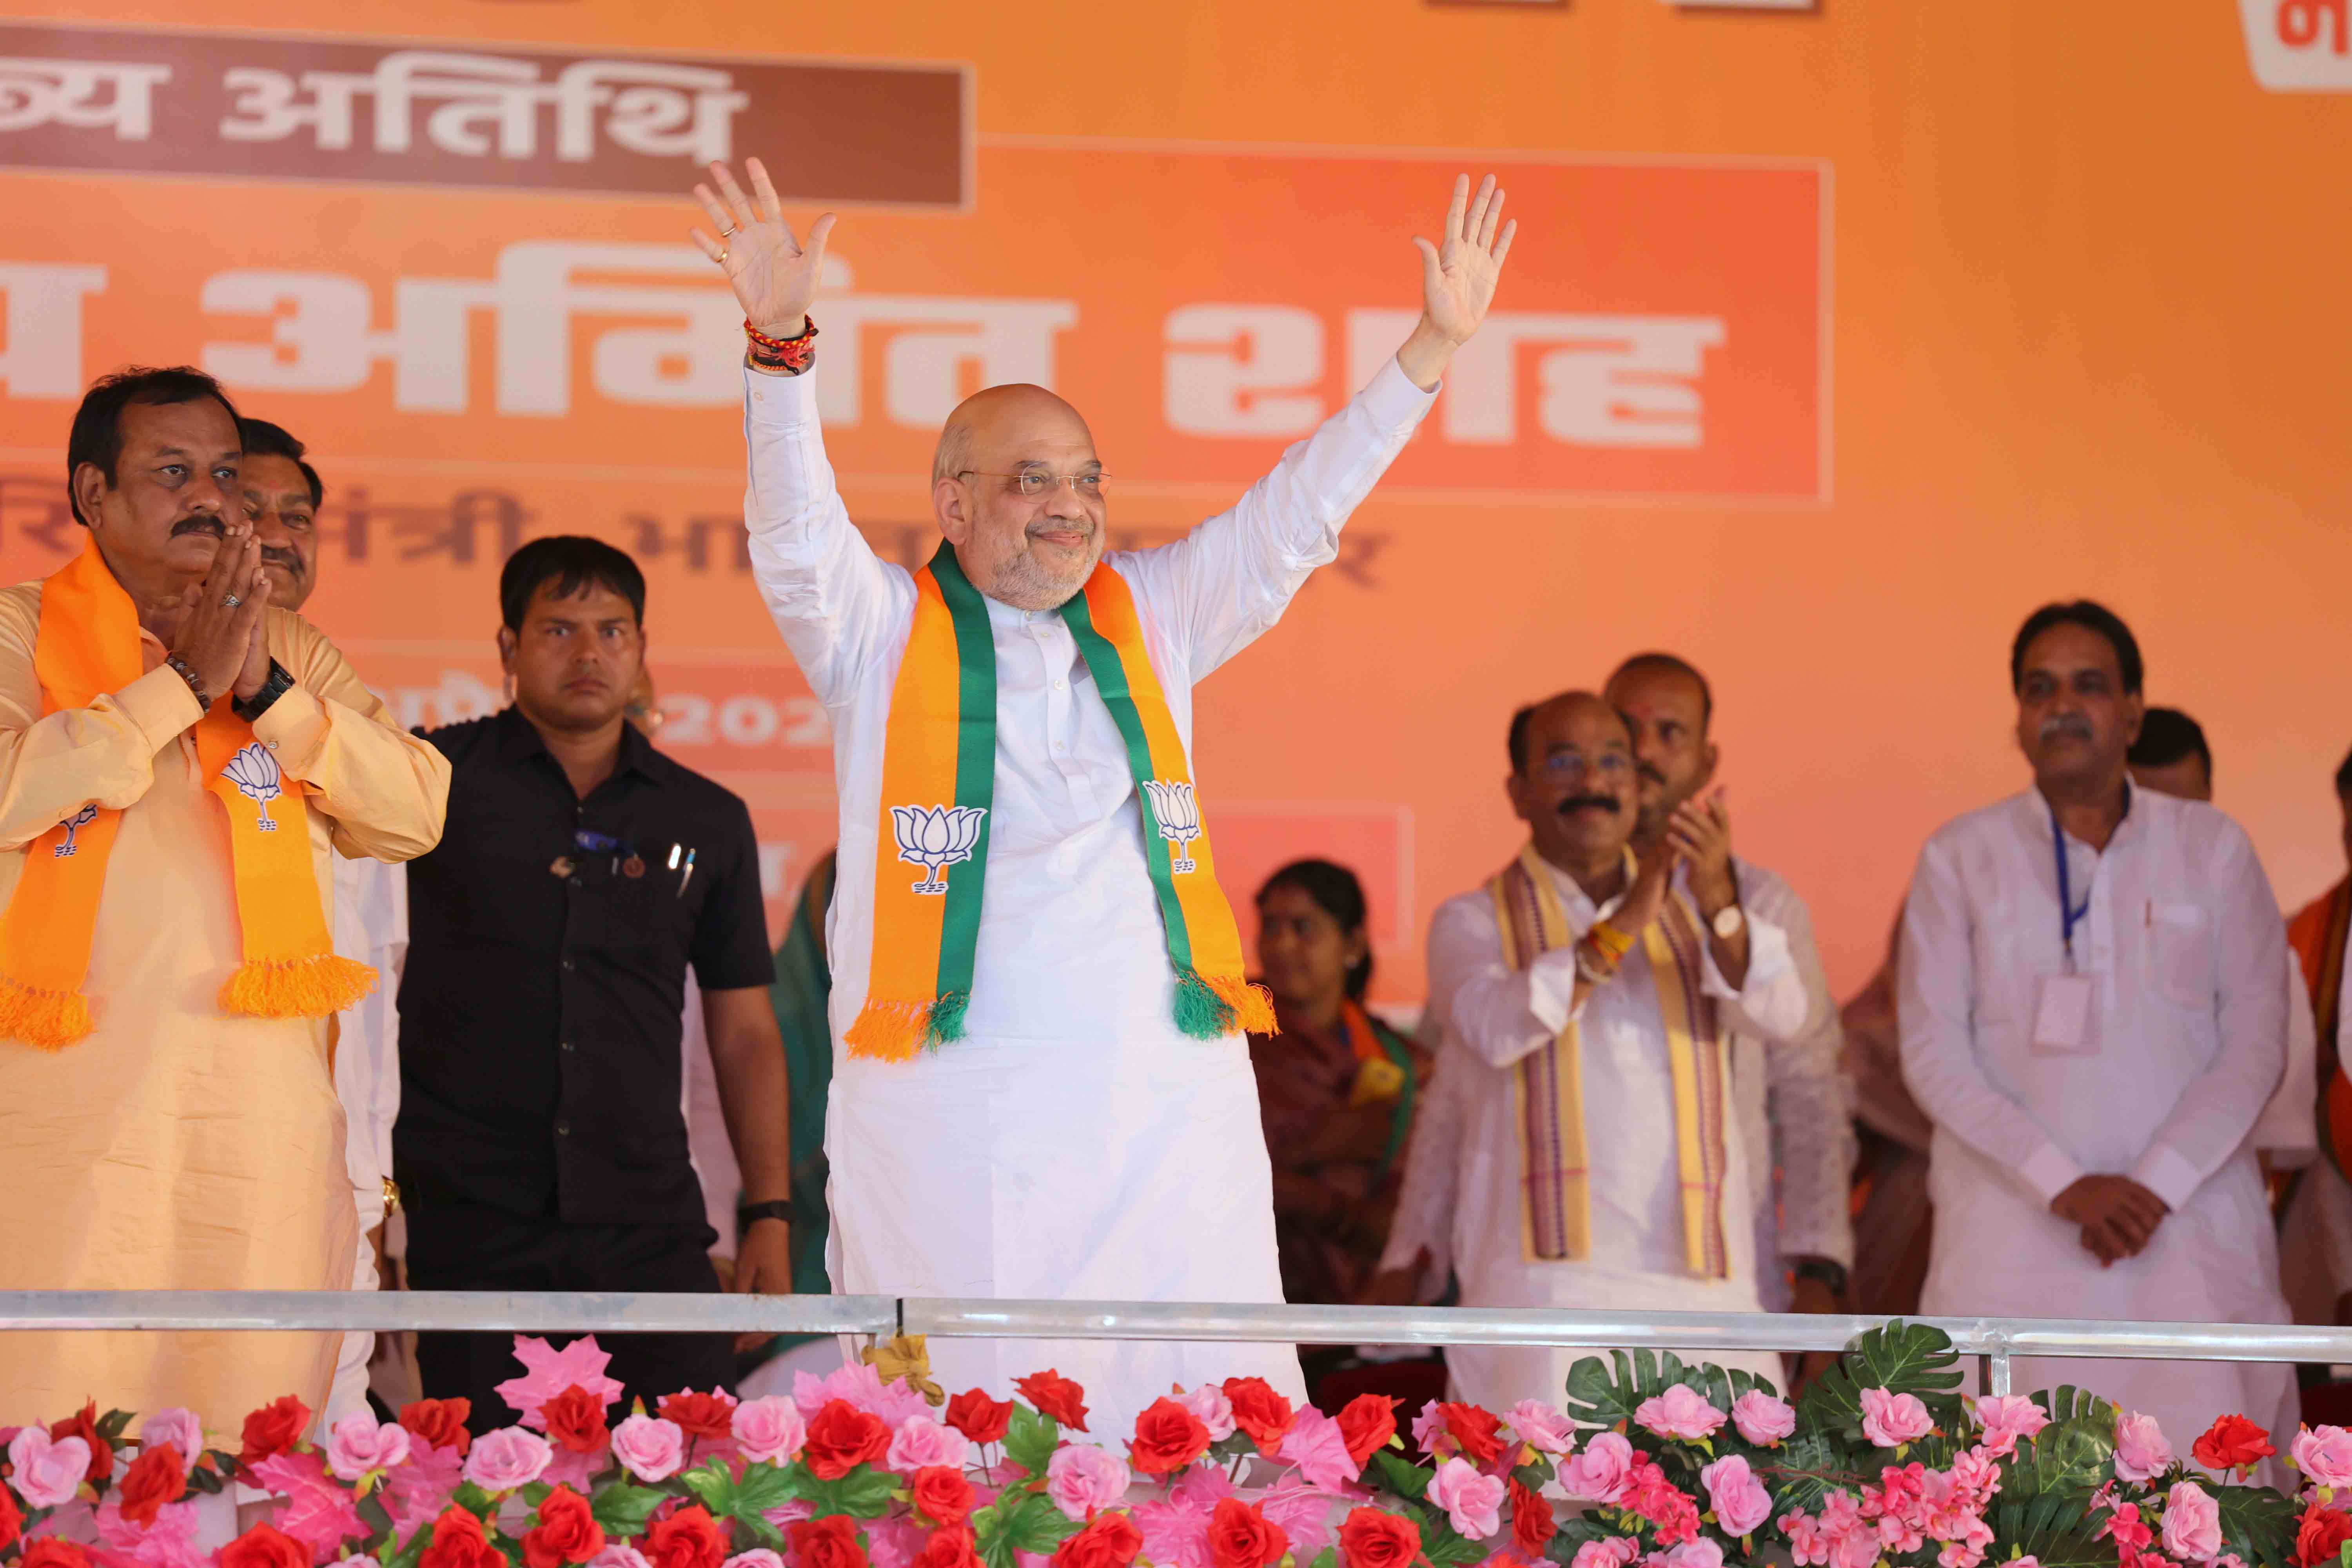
x=1462 y=1196
x=1074 y=1144
x=371 y=921
x=2185 y=1041
x=1795 y=1107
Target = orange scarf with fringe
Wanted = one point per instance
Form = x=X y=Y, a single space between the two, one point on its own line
x=88 y=646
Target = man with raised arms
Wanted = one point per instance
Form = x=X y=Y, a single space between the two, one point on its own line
x=1042 y=1088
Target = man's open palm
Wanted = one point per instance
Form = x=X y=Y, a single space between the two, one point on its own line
x=1458 y=273
x=774 y=278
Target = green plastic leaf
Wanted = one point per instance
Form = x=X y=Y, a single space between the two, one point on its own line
x=1900 y=1357
x=1031 y=1440
x=1604 y=1394
x=113 y=1424
x=1802 y=1471
x=2257 y=1524
x=1441 y=1543
x=1405 y=1479
x=1019 y=1522
x=864 y=1493
x=374 y=1515
x=417 y=1542
x=1327 y=1558
x=2055 y=1528
x=475 y=1500
x=710 y=1484
x=622 y=1509
x=536 y=1493
x=2068 y=1456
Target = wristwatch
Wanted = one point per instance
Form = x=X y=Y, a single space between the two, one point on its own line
x=775 y=1208
x=275 y=686
x=1729 y=921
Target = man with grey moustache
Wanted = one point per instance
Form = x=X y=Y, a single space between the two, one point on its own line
x=2093 y=1018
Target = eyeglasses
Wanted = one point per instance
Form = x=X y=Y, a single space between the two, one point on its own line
x=1035 y=482
x=1572 y=765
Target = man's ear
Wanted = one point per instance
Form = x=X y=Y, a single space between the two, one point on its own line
x=89 y=485
x=507 y=645
x=1707 y=768
x=2134 y=715
x=951 y=506
x=1511 y=793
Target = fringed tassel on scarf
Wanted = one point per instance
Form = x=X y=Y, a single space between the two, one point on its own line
x=1211 y=1007
x=46 y=1020
x=896 y=1031
x=310 y=987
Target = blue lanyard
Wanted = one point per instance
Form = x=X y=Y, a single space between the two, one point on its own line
x=2068 y=915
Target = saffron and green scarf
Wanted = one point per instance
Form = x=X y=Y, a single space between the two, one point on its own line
x=938 y=777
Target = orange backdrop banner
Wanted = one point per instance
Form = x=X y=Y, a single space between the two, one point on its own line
x=1833 y=342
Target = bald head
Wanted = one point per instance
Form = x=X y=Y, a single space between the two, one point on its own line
x=1002 y=491
x=1572 y=778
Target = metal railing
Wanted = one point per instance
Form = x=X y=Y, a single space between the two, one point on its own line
x=1994 y=1340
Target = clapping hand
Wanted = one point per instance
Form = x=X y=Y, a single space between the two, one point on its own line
x=774 y=278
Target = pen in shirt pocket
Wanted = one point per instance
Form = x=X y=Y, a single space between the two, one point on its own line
x=687 y=874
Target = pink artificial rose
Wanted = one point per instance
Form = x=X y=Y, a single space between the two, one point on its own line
x=921 y=1443
x=617 y=1554
x=1603 y=1472
x=1208 y=1404
x=1681 y=1412
x=1699 y=1553
x=771 y=1430
x=2005 y=1418
x=509 y=1458
x=1762 y=1419
x=649 y=1447
x=1739 y=1499
x=183 y=1430
x=2325 y=1454
x=1891 y=1420
x=2142 y=1454
x=1082 y=1479
x=1473 y=1503
x=758 y=1556
x=1614 y=1552
x=2192 y=1523
x=46 y=1473
x=1542 y=1428
x=359 y=1443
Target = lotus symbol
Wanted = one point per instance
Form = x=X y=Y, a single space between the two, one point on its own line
x=936 y=837
x=1179 y=816
x=254 y=772
x=82 y=818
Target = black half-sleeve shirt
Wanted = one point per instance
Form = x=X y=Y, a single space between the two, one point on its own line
x=540 y=1008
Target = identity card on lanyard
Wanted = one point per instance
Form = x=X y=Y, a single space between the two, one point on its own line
x=2060 y=1024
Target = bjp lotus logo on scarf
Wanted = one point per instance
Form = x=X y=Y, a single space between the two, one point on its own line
x=1179 y=819
x=936 y=837
x=254 y=772
x=80 y=819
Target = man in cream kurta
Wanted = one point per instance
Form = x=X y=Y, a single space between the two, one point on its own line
x=1462 y=1207
x=2094 y=1081
x=1074 y=1144
x=177 y=1147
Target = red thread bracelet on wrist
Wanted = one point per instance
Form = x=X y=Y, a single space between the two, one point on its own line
x=808 y=330
x=793 y=355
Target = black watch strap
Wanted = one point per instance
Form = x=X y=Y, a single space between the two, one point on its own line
x=775 y=1208
x=277 y=686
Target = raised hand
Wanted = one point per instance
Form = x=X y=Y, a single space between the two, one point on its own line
x=1647 y=896
x=773 y=275
x=220 y=618
x=1457 y=280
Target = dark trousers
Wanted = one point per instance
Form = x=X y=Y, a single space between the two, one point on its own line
x=482 y=1249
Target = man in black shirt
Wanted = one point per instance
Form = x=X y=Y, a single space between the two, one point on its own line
x=539 y=1145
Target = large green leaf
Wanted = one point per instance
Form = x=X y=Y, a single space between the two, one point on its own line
x=1441 y=1543
x=1900 y=1357
x=2055 y=1528
x=862 y=1493
x=1802 y=1471
x=2069 y=1455
x=1020 y=1521
x=2257 y=1524
x=622 y=1509
x=2068 y=1402
x=1603 y=1394
x=1031 y=1440
x=1405 y=1479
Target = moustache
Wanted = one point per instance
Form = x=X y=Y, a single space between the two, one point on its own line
x=2072 y=725
x=278 y=555
x=1649 y=775
x=1599 y=801
x=201 y=522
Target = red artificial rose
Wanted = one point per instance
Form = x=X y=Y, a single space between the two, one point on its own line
x=440 y=1423
x=12 y=1519
x=843 y=1437
x=2230 y=1442
x=567 y=1531
x=575 y=1421
x=85 y=1427
x=457 y=1542
x=50 y=1552
x=273 y=1429
x=952 y=1547
x=689 y=1538
x=710 y=1415
x=1366 y=1424
x=1531 y=1520
x=265 y=1546
x=1240 y=1535
x=1371 y=1539
x=1055 y=1396
x=158 y=1476
x=1259 y=1411
x=1167 y=1438
x=827 y=1542
x=942 y=1494
x=2322 y=1533
x=1474 y=1432
x=979 y=1417
x=1108 y=1541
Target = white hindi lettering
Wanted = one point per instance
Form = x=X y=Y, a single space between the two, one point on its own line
x=676 y=344
x=40 y=328
x=1212 y=388
x=476 y=106
x=37 y=93
x=1602 y=381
